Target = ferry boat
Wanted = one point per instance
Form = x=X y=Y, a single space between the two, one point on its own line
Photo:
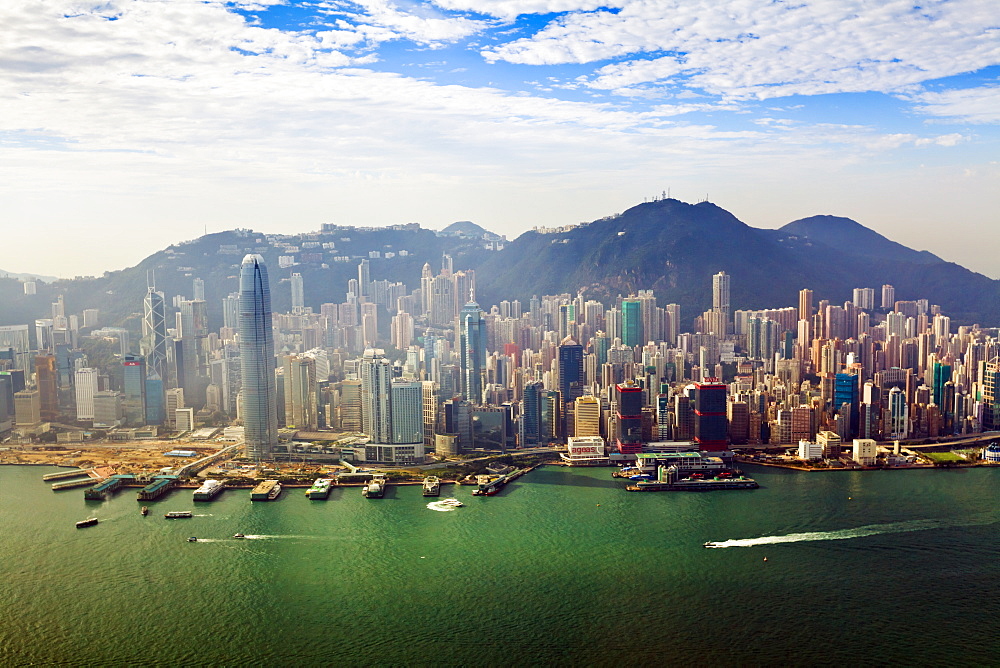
x=432 y=486
x=144 y=511
x=375 y=489
x=266 y=491
x=320 y=489
x=491 y=485
x=89 y=522
x=177 y=514
x=208 y=490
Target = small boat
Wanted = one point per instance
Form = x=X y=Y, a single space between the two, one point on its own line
x=238 y=535
x=454 y=503
x=144 y=511
x=193 y=539
x=89 y=522
x=710 y=544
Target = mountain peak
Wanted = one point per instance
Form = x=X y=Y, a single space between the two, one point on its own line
x=851 y=236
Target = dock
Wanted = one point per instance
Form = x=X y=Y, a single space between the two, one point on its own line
x=102 y=490
x=61 y=475
x=161 y=485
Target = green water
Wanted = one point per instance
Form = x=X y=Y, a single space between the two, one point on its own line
x=564 y=567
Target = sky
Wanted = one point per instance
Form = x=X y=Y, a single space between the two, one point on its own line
x=129 y=125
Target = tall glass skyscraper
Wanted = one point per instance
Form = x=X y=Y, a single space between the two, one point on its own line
x=260 y=407
x=472 y=330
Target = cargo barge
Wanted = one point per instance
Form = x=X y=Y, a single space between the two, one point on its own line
x=266 y=491
x=320 y=489
x=208 y=490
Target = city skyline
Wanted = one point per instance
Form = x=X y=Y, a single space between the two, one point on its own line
x=156 y=121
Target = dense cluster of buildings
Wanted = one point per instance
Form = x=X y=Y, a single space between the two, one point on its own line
x=428 y=371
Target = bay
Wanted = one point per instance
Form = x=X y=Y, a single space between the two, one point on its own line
x=562 y=568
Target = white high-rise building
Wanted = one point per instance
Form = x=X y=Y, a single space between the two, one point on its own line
x=407 y=413
x=298 y=293
x=85 y=382
x=376 y=405
x=864 y=298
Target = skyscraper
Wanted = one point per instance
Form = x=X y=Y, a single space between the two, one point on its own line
x=472 y=330
x=631 y=332
x=260 y=409
x=154 y=334
x=720 y=293
x=135 y=390
x=711 y=429
x=628 y=400
x=298 y=293
x=571 y=378
x=376 y=406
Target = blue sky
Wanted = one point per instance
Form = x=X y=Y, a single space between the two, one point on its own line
x=154 y=119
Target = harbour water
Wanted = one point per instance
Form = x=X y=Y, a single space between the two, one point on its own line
x=562 y=568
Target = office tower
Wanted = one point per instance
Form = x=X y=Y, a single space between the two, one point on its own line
x=259 y=404
x=631 y=319
x=587 y=416
x=531 y=414
x=888 y=296
x=134 y=400
x=720 y=296
x=369 y=324
x=47 y=384
x=805 y=304
x=27 y=408
x=192 y=372
x=845 y=393
x=864 y=298
x=711 y=431
x=628 y=411
x=364 y=279
x=17 y=338
x=571 y=377
x=738 y=416
x=442 y=300
x=551 y=416
x=941 y=375
x=155 y=407
x=301 y=407
x=174 y=400
x=231 y=311
x=298 y=293
x=376 y=386
x=6 y=401
x=350 y=406
x=429 y=398
x=85 y=387
x=458 y=420
x=198 y=286
x=154 y=334
x=407 y=414
x=472 y=351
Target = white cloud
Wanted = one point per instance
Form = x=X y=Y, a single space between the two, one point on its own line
x=510 y=9
x=971 y=105
x=752 y=49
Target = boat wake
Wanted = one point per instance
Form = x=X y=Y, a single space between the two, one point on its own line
x=441 y=507
x=859 y=532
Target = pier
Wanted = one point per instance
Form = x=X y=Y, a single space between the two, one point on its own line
x=101 y=490
x=75 y=473
x=161 y=485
